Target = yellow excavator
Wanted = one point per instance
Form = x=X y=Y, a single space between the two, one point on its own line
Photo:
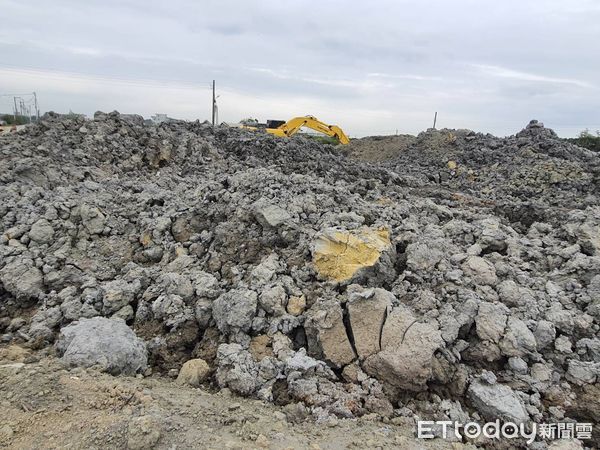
x=292 y=126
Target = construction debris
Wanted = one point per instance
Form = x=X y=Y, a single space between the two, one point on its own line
x=466 y=270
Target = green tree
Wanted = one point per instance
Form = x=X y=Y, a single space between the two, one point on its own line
x=587 y=139
x=10 y=119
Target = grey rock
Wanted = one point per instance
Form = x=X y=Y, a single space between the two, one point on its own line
x=488 y=377
x=583 y=372
x=326 y=333
x=449 y=326
x=267 y=269
x=270 y=215
x=234 y=310
x=481 y=271
x=188 y=211
x=513 y=295
x=406 y=359
x=367 y=311
x=92 y=218
x=591 y=347
x=566 y=444
x=497 y=401
x=273 y=299
x=300 y=362
x=541 y=372
x=51 y=317
x=562 y=344
x=205 y=285
x=41 y=332
x=561 y=318
x=518 y=340
x=176 y=284
x=545 y=333
x=172 y=310
x=517 y=365
x=491 y=321
x=422 y=257
x=41 y=232
x=203 y=312
x=118 y=293
x=22 y=279
x=236 y=369
x=107 y=343
x=16 y=323
x=126 y=313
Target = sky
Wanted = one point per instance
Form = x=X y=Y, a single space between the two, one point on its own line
x=371 y=67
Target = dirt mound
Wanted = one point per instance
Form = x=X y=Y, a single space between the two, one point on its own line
x=459 y=281
x=378 y=148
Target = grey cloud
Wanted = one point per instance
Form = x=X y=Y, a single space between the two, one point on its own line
x=489 y=66
x=227 y=30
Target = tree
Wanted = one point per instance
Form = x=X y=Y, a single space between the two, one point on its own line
x=587 y=139
x=10 y=119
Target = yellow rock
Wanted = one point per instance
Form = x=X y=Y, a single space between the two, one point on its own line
x=262 y=441
x=384 y=201
x=339 y=254
x=260 y=346
x=146 y=238
x=296 y=305
x=452 y=165
x=193 y=372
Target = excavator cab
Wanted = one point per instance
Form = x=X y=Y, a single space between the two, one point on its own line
x=275 y=123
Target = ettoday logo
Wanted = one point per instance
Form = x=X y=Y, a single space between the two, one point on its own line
x=429 y=429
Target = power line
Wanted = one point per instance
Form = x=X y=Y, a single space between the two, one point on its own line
x=16 y=95
x=23 y=104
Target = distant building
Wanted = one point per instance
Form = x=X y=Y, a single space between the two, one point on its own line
x=160 y=118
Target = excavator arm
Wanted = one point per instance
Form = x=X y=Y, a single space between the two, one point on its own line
x=292 y=126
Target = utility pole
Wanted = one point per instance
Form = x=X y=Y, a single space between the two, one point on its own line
x=23 y=108
x=434 y=120
x=15 y=100
x=214 y=104
x=37 y=109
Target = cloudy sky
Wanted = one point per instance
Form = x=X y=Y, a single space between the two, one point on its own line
x=373 y=67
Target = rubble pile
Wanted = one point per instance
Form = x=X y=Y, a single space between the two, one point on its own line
x=533 y=176
x=459 y=281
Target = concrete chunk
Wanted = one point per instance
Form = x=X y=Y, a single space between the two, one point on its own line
x=326 y=334
x=408 y=346
x=367 y=310
x=497 y=401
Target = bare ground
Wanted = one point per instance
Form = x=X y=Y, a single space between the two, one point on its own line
x=46 y=406
x=378 y=148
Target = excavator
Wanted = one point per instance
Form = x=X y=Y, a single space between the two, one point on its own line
x=287 y=129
